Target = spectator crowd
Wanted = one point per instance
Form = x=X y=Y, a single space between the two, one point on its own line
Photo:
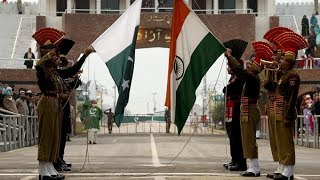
x=310 y=106
x=23 y=101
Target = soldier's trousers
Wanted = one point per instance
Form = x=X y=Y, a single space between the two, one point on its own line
x=285 y=144
x=272 y=134
x=49 y=115
x=236 y=149
x=248 y=132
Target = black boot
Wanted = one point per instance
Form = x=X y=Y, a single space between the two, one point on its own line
x=282 y=177
x=67 y=164
x=45 y=177
x=226 y=165
x=238 y=167
x=250 y=174
x=58 y=176
x=62 y=168
x=273 y=175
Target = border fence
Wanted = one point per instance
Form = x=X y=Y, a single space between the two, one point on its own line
x=17 y=131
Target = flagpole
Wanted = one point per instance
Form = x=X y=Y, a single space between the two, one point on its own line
x=114 y=98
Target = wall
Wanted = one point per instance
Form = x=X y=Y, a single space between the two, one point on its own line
x=124 y=4
x=21 y=78
x=85 y=28
x=309 y=79
x=263 y=24
x=297 y=10
x=11 y=8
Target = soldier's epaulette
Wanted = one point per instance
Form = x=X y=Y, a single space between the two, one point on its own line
x=292 y=73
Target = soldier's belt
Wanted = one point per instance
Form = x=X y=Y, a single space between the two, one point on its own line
x=50 y=97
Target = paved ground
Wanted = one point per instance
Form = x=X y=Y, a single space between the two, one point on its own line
x=152 y=157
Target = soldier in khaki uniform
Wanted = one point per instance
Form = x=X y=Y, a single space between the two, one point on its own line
x=270 y=84
x=250 y=112
x=285 y=104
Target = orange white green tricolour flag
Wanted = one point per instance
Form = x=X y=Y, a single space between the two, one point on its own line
x=193 y=50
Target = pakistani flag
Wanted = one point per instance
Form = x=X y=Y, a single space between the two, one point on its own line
x=116 y=46
x=193 y=50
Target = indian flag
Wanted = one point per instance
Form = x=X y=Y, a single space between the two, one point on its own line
x=116 y=46
x=193 y=49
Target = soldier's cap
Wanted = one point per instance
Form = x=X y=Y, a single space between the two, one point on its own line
x=48 y=45
x=273 y=33
x=263 y=51
x=291 y=43
x=7 y=92
x=48 y=38
x=65 y=46
x=238 y=46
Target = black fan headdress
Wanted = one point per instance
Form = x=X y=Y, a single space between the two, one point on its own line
x=237 y=46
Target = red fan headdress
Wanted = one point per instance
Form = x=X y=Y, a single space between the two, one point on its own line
x=273 y=33
x=47 y=36
x=263 y=52
x=291 y=42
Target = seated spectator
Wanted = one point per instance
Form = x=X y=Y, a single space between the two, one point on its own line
x=312 y=44
x=305 y=26
x=306 y=109
x=1 y=96
x=162 y=4
x=301 y=62
x=8 y=101
x=30 y=103
x=146 y=4
x=14 y=94
x=21 y=103
x=313 y=22
x=29 y=56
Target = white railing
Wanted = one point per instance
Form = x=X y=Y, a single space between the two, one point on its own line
x=14 y=135
x=16 y=63
x=17 y=131
x=290 y=22
x=308 y=63
x=160 y=9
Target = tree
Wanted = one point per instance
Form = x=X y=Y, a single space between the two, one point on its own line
x=218 y=113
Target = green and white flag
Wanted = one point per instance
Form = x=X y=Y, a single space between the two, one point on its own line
x=116 y=47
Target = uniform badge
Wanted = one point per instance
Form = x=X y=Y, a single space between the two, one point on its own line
x=292 y=81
